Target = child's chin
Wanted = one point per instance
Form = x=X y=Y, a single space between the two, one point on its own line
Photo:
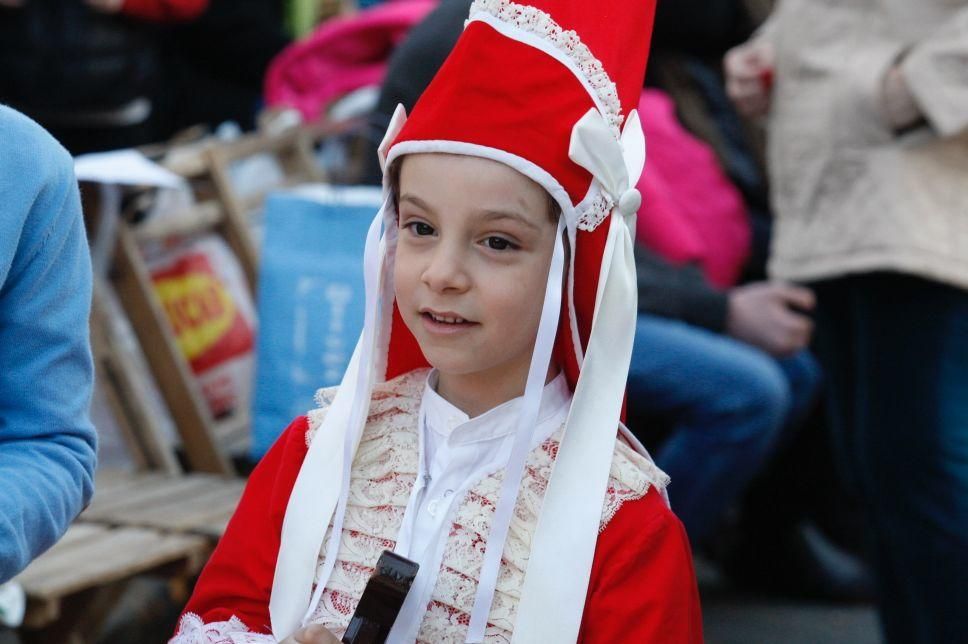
x=451 y=365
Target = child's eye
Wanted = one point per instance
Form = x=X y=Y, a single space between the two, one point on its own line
x=420 y=229
x=499 y=243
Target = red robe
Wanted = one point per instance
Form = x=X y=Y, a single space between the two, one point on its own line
x=642 y=587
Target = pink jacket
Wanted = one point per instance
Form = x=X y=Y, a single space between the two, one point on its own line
x=342 y=55
x=690 y=211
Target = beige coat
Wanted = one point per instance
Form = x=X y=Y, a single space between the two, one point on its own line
x=849 y=195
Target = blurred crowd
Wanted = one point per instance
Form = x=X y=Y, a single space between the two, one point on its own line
x=801 y=349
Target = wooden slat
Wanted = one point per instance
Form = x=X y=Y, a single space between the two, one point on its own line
x=78 y=533
x=182 y=513
x=146 y=497
x=215 y=528
x=219 y=508
x=187 y=160
x=111 y=556
x=129 y=486
x=198 y=219
x=109 y=478
x=125 y=387
x=234 y=433
x=197 y=503
x=172 y=372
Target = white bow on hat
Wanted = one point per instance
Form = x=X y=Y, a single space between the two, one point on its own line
x=616 y=163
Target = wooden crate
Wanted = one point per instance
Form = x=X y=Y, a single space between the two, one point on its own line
x=71 y=588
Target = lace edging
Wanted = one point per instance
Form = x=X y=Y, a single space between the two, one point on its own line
x=193 y=630
x=596 y=212
x=540 y=23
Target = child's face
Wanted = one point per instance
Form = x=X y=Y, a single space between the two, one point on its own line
x=472 y=262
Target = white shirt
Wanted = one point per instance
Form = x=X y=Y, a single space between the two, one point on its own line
x=456 y=452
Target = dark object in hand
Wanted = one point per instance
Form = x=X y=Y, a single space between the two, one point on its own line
x=381 y=601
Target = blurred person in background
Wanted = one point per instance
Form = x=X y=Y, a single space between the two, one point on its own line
x=47 y=443
x=89 y=71
x=867 y=106
x=727 y=371
x=217 y=64
x=722 y=366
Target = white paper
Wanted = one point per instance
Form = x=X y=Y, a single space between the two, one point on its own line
x=124 y=167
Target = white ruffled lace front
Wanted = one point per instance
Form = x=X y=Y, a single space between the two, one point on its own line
x=384 y=472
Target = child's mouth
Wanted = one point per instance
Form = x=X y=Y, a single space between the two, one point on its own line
x=444 y=322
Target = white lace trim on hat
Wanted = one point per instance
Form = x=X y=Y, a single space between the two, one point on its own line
x=541 y=24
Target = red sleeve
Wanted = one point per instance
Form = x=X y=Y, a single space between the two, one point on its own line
x=164 y=10
x=643 y=587
x=237 y=579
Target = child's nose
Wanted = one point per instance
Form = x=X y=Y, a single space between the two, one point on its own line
x=446 y=270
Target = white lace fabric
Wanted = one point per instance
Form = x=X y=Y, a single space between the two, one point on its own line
x=192 y=630
x=384 y=472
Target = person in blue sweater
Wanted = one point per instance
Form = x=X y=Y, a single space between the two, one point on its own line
x=47 y=442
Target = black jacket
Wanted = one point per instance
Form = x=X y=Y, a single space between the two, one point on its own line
x=60 y=55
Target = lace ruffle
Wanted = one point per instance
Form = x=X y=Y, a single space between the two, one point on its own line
x=383 y=475
x=192 y=630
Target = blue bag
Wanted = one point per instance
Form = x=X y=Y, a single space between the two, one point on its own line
x=310 y=299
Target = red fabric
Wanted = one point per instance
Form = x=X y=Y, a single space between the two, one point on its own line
x=691 y=212
x=164 y=10
x=642 y=587
x=237 y=580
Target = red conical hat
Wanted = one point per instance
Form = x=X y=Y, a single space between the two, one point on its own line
x=501 y=95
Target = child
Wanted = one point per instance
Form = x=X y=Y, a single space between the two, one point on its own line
x=498 y=471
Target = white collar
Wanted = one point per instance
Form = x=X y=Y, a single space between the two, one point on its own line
x=458 y=428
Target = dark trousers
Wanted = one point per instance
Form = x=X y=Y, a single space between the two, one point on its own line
x=728 y=403
x=895 y=351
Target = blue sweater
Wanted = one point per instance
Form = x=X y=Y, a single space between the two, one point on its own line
x=47 y=443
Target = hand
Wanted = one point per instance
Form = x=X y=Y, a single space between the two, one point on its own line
x=13 y=4
x=767 y=315
x=312 y=634
x=897 y=103
x=749 y=77
x=105 y=6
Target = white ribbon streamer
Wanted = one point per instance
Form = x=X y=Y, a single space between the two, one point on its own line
x=322 y=485
x=526 y=423
x=562 y=549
